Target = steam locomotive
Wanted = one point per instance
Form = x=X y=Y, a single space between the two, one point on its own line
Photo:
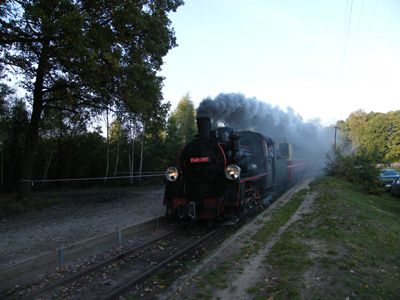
x=222 y=173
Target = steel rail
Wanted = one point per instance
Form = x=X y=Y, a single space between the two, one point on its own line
x=127 y=285
x=92 y=268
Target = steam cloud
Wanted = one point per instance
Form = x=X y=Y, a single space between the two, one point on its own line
x=310 y=139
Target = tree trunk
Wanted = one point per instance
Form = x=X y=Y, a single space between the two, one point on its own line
x=25 y=184
x=116 y=159
x=47 y=165
x=108 y=147
x=16 y=158
x=132 y=159
x=2 y=166
x=59 y=144
x=132 y=155
x=13 y=175
x=141 y=157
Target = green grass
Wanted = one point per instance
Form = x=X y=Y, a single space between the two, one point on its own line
x=349 y=246
x=217 y=278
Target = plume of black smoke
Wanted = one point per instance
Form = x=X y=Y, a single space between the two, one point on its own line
x=310 y=139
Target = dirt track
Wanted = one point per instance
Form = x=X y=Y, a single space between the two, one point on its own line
x=34 y=233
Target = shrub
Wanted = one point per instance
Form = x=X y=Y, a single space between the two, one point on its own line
x=356 y=168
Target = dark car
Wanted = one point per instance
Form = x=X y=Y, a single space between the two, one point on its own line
x=388 y=176
x=395 y=188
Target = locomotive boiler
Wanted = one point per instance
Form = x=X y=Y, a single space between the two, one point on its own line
x=222 y=172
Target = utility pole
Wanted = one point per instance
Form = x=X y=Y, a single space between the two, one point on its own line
x=334 y=141
x=335 y=127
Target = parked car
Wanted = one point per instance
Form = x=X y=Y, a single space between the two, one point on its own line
x=395 y=188
x=388 y=176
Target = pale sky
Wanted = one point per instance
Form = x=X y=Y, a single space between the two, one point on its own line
x=314 y=56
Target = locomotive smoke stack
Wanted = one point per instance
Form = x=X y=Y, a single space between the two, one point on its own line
x=204 y=127
x=234 y=139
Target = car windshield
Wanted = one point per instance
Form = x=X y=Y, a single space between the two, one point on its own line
x=390 y=173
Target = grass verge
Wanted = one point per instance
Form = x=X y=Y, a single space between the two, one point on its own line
x=218 y=276
x=348 y=247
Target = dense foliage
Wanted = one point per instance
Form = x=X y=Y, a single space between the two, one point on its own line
x=356 y=168
x=69 y=147
x=85 y=57
x=377 y=135
x=366 y=139
x=181 y=127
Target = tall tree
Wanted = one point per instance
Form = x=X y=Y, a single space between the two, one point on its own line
x=343 y=138
x=5 y=92
x=356 y=123
x=115 y=139
x=56 y=131
x=97 y=54
x=375 y=134
x=13 y=139
x=181 y=128
x=182 y=123
x=381 y=136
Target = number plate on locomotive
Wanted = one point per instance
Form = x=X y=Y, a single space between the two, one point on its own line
x=199 y=159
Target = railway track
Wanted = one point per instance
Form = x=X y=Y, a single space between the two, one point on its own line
x=131 y=283
x=125 y=272
x=119 y=274
x=93 y=268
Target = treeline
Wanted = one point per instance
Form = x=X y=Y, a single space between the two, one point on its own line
x=375 y=135
x=77 y=61
x=71 y=146
x=366 y=139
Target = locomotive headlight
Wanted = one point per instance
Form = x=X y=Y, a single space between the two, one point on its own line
x=232 y=172
x=172 y=174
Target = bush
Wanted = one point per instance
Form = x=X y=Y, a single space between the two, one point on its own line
x=356 y=168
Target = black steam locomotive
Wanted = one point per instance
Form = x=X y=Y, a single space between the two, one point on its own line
x=221 y=173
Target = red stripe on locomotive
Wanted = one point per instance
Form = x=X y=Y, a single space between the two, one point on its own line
x=294 y=167
x=253 y=177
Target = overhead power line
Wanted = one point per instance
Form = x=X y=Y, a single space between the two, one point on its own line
x=373 y=14
x=347 y=31
x=345 y=21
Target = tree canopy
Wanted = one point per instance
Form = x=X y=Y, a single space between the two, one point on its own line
x=79 y=55
x=375 y=134
x=182 y=122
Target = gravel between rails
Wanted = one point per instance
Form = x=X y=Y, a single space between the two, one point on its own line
x=95 y=213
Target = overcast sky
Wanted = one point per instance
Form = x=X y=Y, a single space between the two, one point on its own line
x=323 y=58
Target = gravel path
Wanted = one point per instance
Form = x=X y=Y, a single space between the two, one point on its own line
x=253 y=270
x=31 y=234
